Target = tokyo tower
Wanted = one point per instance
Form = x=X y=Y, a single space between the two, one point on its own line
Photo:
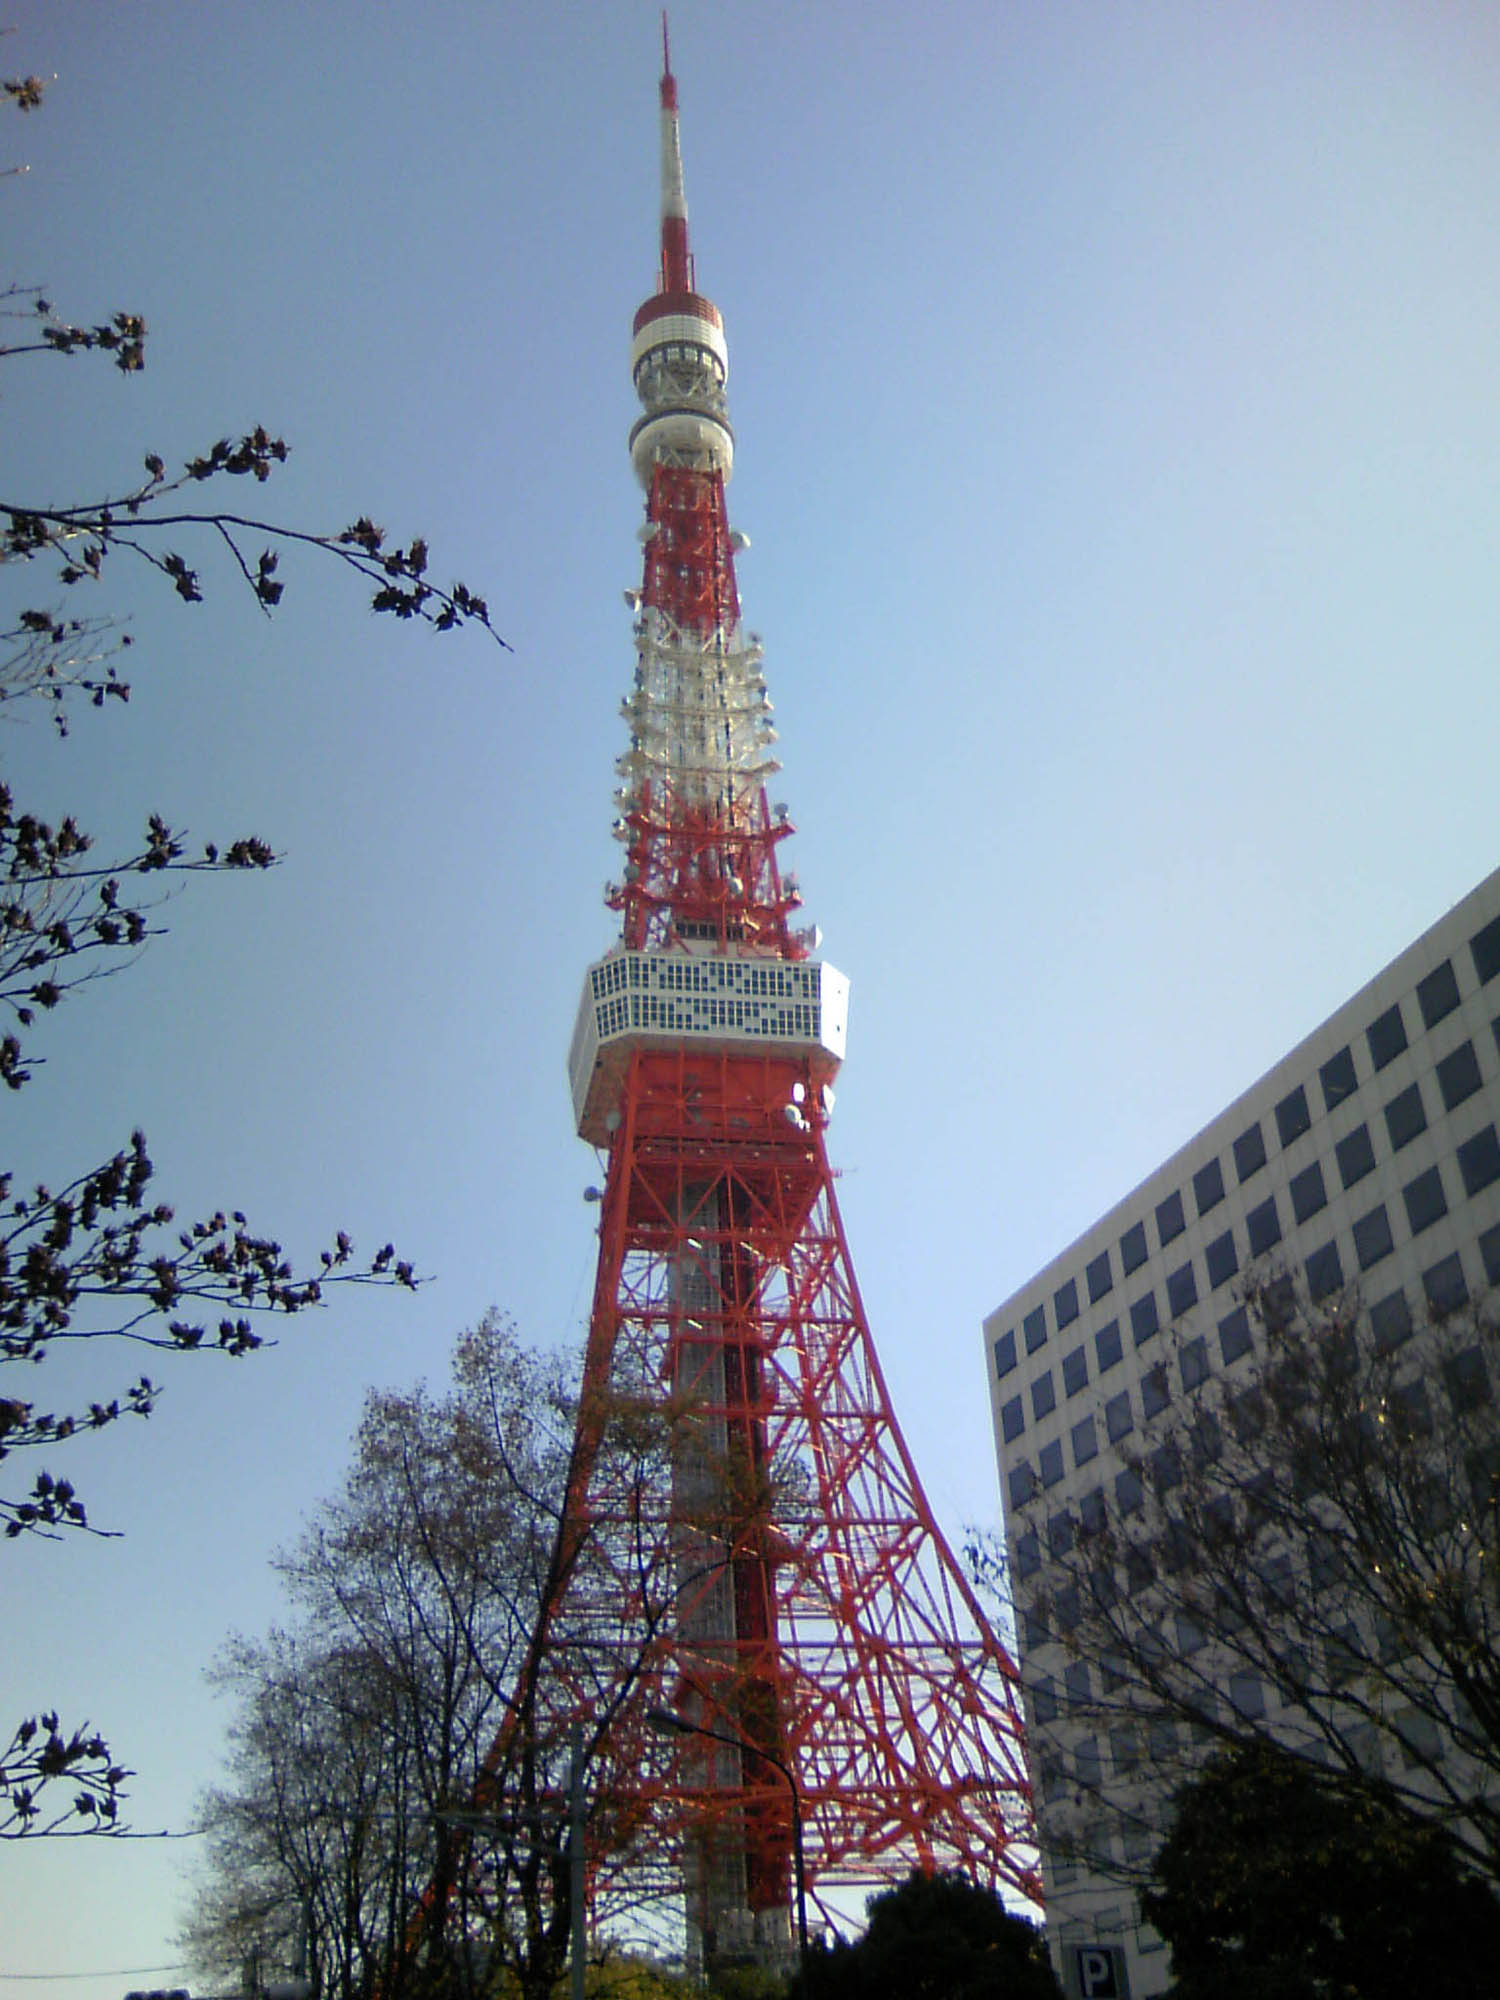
x=841 y=1711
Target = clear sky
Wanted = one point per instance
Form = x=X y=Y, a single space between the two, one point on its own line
x=1115 y=388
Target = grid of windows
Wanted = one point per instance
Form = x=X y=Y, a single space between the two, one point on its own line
x=1116 y=1399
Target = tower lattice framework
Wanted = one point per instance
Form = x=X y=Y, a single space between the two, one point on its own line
x=797 y=1607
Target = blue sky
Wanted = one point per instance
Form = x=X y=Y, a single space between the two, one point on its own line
x=1115 y=395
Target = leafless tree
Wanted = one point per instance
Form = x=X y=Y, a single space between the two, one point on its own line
x=1306 y=1554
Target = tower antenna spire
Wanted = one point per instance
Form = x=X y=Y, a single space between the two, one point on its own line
x=676 y=259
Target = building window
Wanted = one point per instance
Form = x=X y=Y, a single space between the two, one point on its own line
x=1406 y=1117
x=1144 y=1319
x=1182 y=1291
x=1458 y=1075
x=1065 y=1303
x=1421 y=1743
x=1247 y=1695
x=1194 y=1362
x=1129 y=1492
x=1012 y=1419
x=1107 y=1346
x=1325 y=1273
x=1085 y=1441
x=1479 y=1160
x=1133 y=1247
x=1234 y=1335
x=1075 y=1371
x=1437 y=994
x=1005 y=1355
x=1043 y=1396
x=1426 y=1203
x=1390 y=1322
x=1485 y=946
x=1118 y=1421
x=1190 y=1635
x=1445 y=1285
x=1154 y=1393
x=1100 y=1277
x=1249 y=1153
x=1467 y=1379
x=1308 y=1194
x=1035 y=1328
x=1372 y=1237
x=1263 y=1226
x=1021 y=1484
x=1489 y=1250
x=1337 y=1078
x=1050 y=1462
x=1386 y=1036
x=1355 y=1155
x=1125 y=1749
x=1170 y=1221
x=1221 y=1260
x=1292 y=1116
x=1208 y=1187
x=1059 y=1536
x=1028 y=1553
x=1091 y=1516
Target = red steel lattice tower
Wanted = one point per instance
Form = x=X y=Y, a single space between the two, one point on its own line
x=838 y=1676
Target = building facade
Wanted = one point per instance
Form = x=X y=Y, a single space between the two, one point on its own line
x=1365 y=1166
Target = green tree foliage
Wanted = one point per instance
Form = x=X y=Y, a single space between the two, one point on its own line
x=1279 y=1879
x=102 y=1258
x=935 y=1937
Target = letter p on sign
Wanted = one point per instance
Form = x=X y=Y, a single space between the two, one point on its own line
x=1099 y=1970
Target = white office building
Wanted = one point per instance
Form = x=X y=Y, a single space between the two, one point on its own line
x=1368 y=1158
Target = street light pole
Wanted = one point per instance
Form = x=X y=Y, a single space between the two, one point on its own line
x=669 y=1722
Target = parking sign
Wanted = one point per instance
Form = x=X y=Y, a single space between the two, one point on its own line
x=1098 y=1972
